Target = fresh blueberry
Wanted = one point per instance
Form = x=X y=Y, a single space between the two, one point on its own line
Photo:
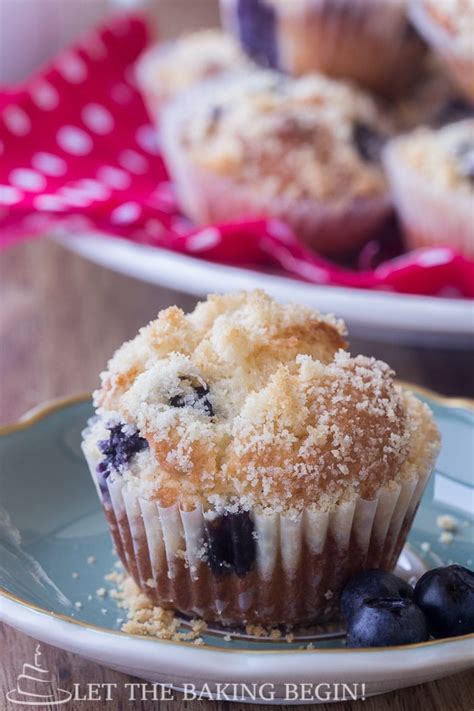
x=446 y=596
x=456 y=109
x=464 y=155
x=368 y=142
x=194 y=395
x=257 y=31
x=215 y=114
x=371 y=584
x=231 y=543
x=123 y=443
x=387 y=622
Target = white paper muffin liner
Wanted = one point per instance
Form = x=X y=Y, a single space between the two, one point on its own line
x=431 y=216
x=360 y=40
x=300 y=566
x=458 y=59
x=206 y=197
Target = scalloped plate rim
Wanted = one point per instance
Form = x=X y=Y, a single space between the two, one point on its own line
x=422 y=661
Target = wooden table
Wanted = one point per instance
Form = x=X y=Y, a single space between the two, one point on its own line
x=60 y=320
x=62 y=317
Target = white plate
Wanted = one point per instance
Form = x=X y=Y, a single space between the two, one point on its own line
x=371 y=314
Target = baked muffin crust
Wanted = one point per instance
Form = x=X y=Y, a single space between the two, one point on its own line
x=295 y=138
x=457 y=19
x=246 y=403
x=192 y=58
x=444 y=157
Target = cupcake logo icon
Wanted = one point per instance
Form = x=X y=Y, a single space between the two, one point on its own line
x=35 y=686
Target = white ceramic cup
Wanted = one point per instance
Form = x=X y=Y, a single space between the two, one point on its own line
x=32 y=31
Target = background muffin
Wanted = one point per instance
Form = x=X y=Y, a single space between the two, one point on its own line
x=434 y=100
x=432 y=176
x=448 y=26
x=261 y=144
x=372 y=43
x=166 y=69
x=247 y=465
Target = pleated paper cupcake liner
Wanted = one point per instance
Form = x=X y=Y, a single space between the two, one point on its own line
x=329 y=227
x=458 y=60
x=370 y=43
x=431 y=216
x=300 y=563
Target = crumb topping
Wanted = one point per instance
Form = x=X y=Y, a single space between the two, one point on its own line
x=295 y=138
x=457 y=18
x=247 y=403
x=444 y=156
x=189 y=59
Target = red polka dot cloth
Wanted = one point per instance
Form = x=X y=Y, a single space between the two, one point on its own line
x=78 y=154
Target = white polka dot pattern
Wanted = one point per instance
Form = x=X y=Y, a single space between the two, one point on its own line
x=10 y=195
x=45 y=96
x=49 y=164
x=126 y=213
x=72 y=68
x=17 y=121
x=115 y=178
x=74 y=140
x=133 y=161
x=27 y=179
x=78 y=152
x=98 y=119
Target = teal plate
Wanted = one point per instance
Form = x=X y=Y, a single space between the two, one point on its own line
x=55 y=550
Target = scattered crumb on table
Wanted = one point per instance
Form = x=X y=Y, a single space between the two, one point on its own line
x=447 y=537
x=447 y=523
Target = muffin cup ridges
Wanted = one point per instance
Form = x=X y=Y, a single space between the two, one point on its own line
x=431 y=216
x=329 y=227
x=300 y=565
x=348 y=39
x=459 y=60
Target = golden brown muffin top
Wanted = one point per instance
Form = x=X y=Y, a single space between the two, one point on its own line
x=444 y=156
x=246 y=402
x=177 y=65
x=310 y=137
x=456 y=17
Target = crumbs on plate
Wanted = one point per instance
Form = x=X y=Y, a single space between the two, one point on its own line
x=145 y=618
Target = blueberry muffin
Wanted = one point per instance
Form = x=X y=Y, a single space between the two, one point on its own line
x=261 y=144
x=432 y=176
x=247 y=464
x=434 y=100
x=372 y=43
x=166 y=69
x=448 y=26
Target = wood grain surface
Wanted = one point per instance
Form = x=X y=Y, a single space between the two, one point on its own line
x=61 y=318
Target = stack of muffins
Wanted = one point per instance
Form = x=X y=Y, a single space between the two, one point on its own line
x=296 y=113
x=248 y=465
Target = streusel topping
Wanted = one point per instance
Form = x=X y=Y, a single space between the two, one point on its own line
x=192 y=58
x=457 y=18
x=248 y=403
x=445 y=156
x=295 y=138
